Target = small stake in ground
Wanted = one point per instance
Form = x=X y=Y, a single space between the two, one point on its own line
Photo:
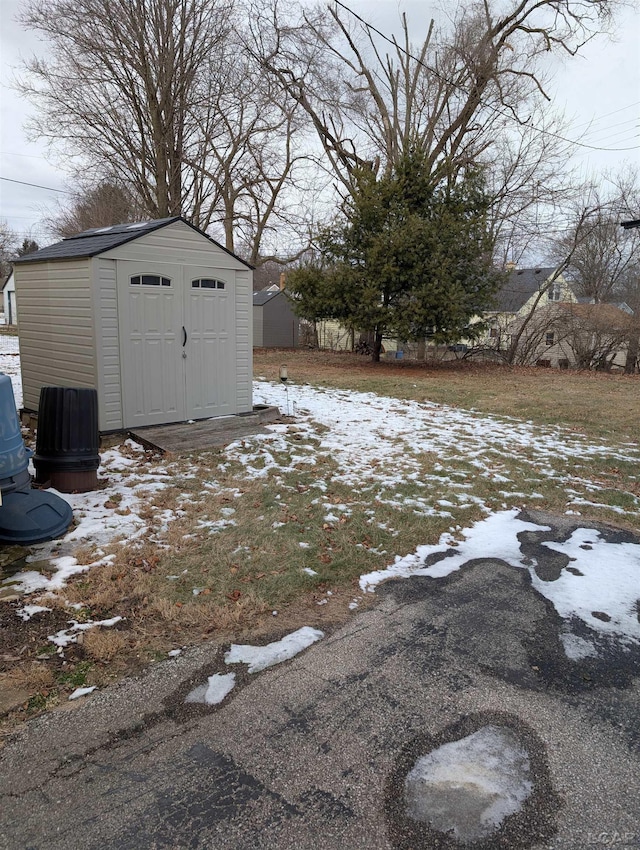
x=284 y=377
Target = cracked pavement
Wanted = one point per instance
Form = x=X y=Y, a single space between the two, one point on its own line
x=312 y=753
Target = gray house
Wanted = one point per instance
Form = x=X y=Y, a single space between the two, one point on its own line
x=155 y=316
x=275 y=325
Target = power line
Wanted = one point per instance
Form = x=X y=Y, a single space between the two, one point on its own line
x=36 y=186
x=599 y=131
x=602 y=117
x=462 y=88
x=28 y=155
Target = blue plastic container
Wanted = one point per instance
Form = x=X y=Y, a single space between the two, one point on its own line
x=26 y=516
x=14 y=456
x=32 y=516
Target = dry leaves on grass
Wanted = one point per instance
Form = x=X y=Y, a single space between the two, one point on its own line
x=104 y=644
x=33 y=677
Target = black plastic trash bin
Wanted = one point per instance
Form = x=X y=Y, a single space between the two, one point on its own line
x=67 y=440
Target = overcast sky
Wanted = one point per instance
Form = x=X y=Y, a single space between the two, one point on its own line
x=599 y=91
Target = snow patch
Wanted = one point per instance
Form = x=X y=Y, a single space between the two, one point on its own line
x=260 y=657
x=493 y=537
x=66 y=636
x=27 y=611
x=609 y=583
x=216 y=688
x=577 y=648
x=601 y=587
x=82 y=692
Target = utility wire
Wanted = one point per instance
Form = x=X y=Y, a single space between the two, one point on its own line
x=28 y=155
x=36 y=186
x=630 y=125
x=462 y=88
x=602 y=117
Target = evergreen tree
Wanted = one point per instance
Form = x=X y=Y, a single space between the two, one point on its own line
x=29 y=246
x=406 y=258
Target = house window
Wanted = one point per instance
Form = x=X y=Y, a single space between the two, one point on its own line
x=550 y=338
x=555 y=292
x=149 y=280
x=494 y=333
x=207 y=283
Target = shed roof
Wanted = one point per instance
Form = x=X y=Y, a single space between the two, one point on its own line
x=520 y=286
x=96 y=241
x=260 y=298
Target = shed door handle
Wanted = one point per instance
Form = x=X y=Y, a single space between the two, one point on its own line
x=184 y=336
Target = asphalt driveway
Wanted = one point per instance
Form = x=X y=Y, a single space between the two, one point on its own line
x=314 y=753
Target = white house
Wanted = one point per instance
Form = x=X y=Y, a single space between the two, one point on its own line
x=9 y=300
x=156 y=316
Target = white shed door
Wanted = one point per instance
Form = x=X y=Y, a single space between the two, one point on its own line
x=209 y=343
x=150 y=312
x=177 y=343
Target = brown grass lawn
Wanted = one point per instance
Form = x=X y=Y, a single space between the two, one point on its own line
x=194 y=585
x=603 y=406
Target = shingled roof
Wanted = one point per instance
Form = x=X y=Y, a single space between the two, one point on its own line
x=96 y=241
x=520 y=286
x=260 y=298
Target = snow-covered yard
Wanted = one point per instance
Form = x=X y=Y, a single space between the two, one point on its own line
x=10 y=364
x=391 y=458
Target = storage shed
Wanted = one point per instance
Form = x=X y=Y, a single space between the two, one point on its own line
x=155 y=316
x=275 y=325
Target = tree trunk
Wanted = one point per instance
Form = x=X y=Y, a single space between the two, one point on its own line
x=632 y=353
x=377 y=347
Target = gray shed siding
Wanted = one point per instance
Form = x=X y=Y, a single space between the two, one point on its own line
x=244 y=340
x=258 y=324
x=56 y=327
x=107 y=343
x=177 y=244
x=280 y=326
x=276 y=325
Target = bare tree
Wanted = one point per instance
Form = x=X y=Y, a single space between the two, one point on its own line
x=98 y=206
x=596 y=334
x=604 y=257
x=8 y=249
x=253 y=166
x=161 y=98
x=471 y=92
x=122 y=84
